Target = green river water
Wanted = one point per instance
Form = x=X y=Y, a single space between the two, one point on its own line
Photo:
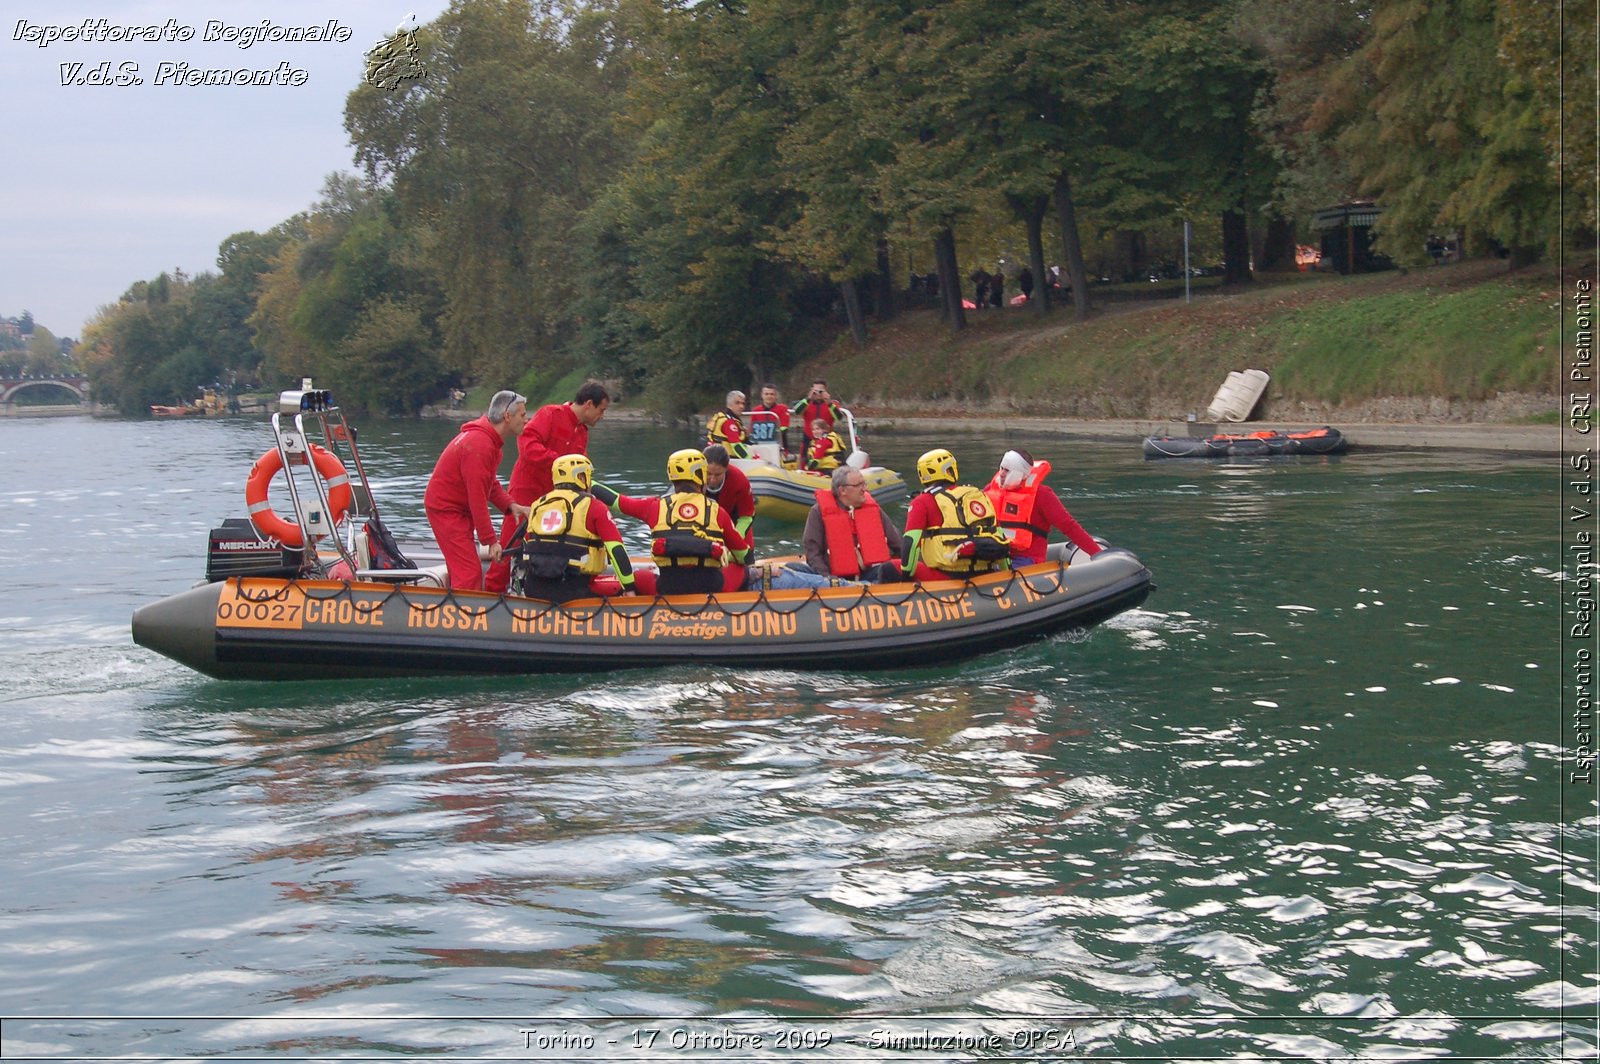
x=1311 y=800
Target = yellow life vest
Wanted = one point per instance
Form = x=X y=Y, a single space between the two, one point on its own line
x=728 y=430
x=965 y=516
x=826 y=453
x=559 y=524
x=688 y=533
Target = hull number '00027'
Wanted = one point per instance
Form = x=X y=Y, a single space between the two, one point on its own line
x=283 y=607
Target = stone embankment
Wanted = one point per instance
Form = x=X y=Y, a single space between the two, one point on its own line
x=1382 y=424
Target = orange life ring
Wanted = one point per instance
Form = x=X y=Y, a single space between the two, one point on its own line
x=328 y=467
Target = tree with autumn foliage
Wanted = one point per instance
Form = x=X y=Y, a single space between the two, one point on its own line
x=1449 y=132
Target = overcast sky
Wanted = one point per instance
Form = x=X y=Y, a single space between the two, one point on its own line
x=105 y=185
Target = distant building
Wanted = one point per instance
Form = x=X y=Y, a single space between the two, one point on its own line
x=1347 y=238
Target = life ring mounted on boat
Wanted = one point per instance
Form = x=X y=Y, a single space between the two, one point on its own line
x=328 y=467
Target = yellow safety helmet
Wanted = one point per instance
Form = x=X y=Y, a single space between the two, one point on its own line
x=687 y=464
x=937 y=465
x=573 y=469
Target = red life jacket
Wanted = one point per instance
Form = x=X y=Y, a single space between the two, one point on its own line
x=849 y=530
x=1013 y=508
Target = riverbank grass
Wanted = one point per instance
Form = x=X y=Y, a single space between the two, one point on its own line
x=1463 y=332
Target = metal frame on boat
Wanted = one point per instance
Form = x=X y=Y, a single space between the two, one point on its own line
x=787 y=494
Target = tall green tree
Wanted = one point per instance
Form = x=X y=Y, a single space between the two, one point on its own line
x=716 y=306
x=1303 y=43
x=1187 y=86
x=493 y=156
x=1445 y=133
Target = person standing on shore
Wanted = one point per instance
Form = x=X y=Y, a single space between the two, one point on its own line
x=557 y=429
x=465 y=482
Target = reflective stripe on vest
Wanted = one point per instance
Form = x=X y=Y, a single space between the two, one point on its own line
x=690 y=512
x=562 y=516
x=963 y=514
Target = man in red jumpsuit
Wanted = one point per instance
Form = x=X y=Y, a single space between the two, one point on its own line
x=686 y=471
x=555 y=430
x=770 y=405
x=466 y=482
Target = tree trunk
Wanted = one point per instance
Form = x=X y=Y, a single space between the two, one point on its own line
x=883 y=298
x=852 y=310
x=1039 y=299
x=944 y=249
x=1072 y=248
x=1278 y=249
x=1130 y=244
x=1235 y=249
x=944 y=287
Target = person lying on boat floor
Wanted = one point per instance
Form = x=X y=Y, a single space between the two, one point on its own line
x=1028 y=509
x=950 y=528
x=849 y=535
x=570 y=539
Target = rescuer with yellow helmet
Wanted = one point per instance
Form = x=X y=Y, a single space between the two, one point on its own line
x=695 y=543
x=569 y=538
x=950 y=528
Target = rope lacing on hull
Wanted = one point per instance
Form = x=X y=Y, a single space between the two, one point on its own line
x=892 y=594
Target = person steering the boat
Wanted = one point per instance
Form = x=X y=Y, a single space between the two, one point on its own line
x=950 y=528
x=1027 y=509
x=827 y=451
x=570 y=538
x=695 y=543
x=849 y=535
x=726 y=428
x=771 y=404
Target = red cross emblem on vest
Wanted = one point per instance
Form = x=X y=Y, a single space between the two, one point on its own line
x=550 y=522
x=689 y=511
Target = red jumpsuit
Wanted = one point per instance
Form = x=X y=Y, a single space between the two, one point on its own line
x=464 y=484
x=551 y=432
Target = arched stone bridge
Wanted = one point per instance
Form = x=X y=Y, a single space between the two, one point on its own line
x=9 y=387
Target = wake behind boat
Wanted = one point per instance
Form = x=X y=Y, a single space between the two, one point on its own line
x=270 y=609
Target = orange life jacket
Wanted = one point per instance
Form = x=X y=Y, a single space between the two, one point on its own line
x=1014 y=506
x=855 y=537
